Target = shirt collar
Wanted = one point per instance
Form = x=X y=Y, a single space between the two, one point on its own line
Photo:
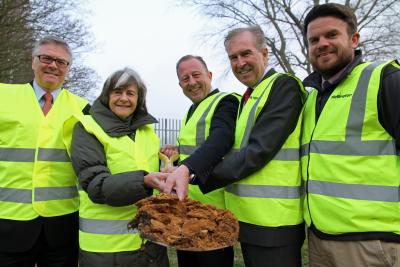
x=39 y=91
x=335 y=77
x=267 y=68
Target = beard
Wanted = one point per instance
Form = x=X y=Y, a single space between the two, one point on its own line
x=330 y=70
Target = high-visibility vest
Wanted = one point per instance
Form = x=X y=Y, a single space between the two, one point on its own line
x=272 y=196
x=36 y=174
x=192 y=135
x=103 y=228
x=349 y=162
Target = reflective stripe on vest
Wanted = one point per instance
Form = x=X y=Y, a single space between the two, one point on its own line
x=271 y=196
x=28 y=155
x=17 y=154
x=287 y=154
x=355 y=191
x=352 y=170
x=104 y=228
x=41 y=194
x=353 y=145
x=192 y=135
x=265 y=191
x=16 y=195
x=37 y=177
x=53 y=154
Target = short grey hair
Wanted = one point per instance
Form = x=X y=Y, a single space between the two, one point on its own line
x=187 y=57
x=255 y=30
x=50 y=39
x=122 y=79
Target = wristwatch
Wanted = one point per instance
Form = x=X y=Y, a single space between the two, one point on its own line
x=192 y=177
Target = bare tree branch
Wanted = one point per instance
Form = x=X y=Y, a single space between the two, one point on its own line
x=282 y=21
x=24 y=21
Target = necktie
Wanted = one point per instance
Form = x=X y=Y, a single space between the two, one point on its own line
x=48 y=99
x=247 y=94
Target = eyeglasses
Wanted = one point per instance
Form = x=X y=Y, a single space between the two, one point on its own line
x=61 y=63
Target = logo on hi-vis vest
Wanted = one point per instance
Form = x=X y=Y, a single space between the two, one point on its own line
x=342 y=96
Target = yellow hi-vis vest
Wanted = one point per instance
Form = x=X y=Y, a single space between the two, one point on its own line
x=36 y=174
x=271 y=196
x=192 y=135
x=103 y=228
x=349 y=162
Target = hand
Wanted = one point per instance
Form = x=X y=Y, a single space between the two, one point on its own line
x=169 y=150
x=178 y=181
x=155 y=180
x=168 y=169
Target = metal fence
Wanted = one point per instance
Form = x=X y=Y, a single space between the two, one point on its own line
x=168 y=130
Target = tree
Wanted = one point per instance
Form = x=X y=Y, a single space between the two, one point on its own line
x=16 y=41
x=23 y=21
x=282 y=22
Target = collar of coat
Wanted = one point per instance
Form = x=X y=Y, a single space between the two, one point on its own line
x=113 y=125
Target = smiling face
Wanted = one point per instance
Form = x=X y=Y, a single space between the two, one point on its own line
x=330 y=47
x=194 y=79
x=123 y=102
x=50 y=76
x=247 y=62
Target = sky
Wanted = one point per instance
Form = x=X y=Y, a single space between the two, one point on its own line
x=150 y=36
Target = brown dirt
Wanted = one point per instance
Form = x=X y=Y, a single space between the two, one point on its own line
x=186 y=224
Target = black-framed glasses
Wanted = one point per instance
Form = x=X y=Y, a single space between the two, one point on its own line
x=61 y=63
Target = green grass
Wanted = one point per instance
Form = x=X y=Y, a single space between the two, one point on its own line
x=238 y=260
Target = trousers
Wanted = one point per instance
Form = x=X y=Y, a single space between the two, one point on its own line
x=332 y=253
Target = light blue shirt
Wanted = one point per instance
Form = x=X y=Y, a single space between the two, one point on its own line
x=39 y=92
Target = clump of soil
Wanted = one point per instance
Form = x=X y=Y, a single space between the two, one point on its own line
x=186 y=224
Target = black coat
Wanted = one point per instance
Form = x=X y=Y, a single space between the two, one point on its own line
x=275 y=122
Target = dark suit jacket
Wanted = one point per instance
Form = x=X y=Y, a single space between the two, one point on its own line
x=19 y=236
x=275 y=122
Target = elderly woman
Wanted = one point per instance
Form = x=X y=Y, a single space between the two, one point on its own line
x=114 y=151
